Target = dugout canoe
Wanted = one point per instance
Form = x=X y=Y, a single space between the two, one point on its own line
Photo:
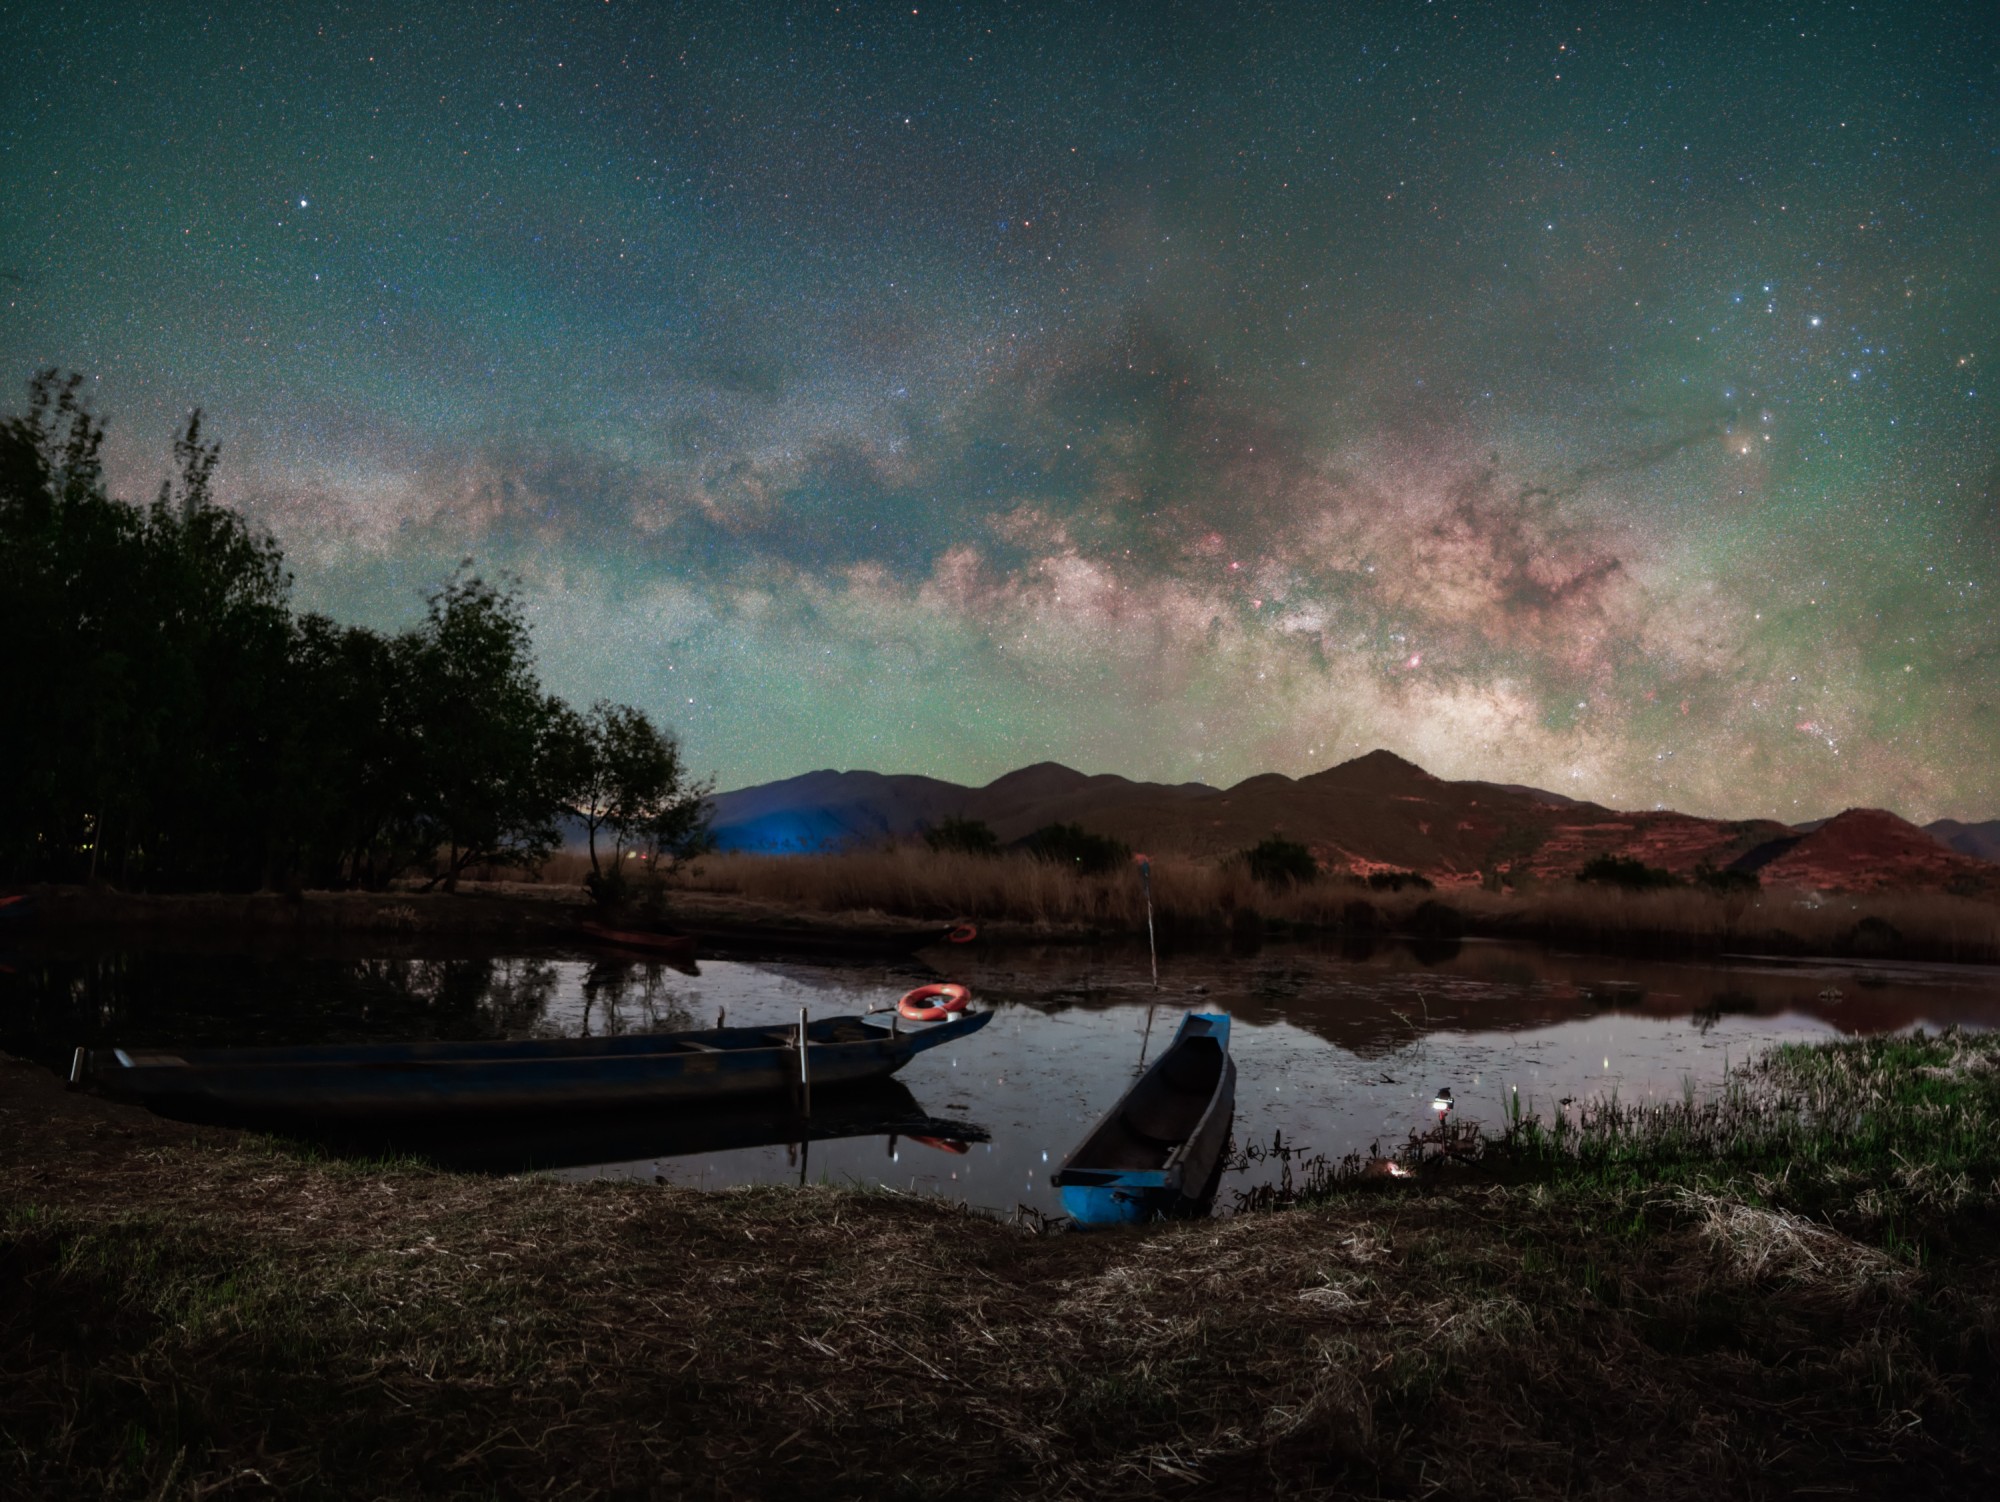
x=1156 y=1152
x=425 y=1079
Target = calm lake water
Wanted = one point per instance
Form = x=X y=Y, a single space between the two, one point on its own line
x=1335 y=1052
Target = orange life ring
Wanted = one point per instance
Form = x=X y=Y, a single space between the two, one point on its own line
x=962 y=933
x=945 y=1144
x=934 y=1003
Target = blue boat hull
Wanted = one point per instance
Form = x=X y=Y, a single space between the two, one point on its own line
x=1158 y=1152
x=517 y=1075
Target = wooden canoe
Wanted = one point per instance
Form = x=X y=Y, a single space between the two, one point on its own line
x=1158 y=1150
x=388 y=1079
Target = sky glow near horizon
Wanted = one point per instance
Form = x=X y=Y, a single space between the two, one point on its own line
x=1168 y=390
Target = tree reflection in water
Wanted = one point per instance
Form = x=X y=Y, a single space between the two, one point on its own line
x=50 y=1003
x=631 y=996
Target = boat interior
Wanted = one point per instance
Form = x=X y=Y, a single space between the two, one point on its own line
x=711 y=1040
x=1159 y=1114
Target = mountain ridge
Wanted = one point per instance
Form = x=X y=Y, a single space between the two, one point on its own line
x=1375 y=812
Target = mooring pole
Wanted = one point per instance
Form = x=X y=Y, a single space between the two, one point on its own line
x=1146 y=885
x=805 y=1073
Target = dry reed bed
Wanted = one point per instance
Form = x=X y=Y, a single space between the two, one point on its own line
x=1195 y=897
x=182 y=1317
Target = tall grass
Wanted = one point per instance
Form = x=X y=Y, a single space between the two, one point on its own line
x=1909 y=1123
x=1892 y=1140
x=1197 y=897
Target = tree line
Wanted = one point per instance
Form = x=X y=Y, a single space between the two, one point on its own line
x=171 y=723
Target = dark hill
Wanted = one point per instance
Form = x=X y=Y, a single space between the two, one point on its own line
x=1981 y=841
x=1378 y=812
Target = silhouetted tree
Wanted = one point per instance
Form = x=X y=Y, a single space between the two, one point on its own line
x=1727 y=880
x=488 y=753
x=1624 y=871
x=346 y=810
x=166 y=721
x=1279 y=862
x=143 y=646
x=623 y=775
x=1395 y=881
x=965 y=836
x=1073 y=845
x=67 y=687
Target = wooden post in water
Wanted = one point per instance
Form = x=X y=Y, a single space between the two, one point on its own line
x=1146 y=885
x=805 y=1073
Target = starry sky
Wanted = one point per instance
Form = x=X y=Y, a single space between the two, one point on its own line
x=1598 y=397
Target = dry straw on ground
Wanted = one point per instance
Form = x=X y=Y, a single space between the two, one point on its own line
x=189 y=1317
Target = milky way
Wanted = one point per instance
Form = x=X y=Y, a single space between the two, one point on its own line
x=1177 y=390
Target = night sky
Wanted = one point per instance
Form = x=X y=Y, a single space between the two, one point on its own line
x=1604 y=401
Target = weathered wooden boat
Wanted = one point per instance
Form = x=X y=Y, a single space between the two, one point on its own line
x=377 y=1079
x=667 y=946
x=1158 y=1150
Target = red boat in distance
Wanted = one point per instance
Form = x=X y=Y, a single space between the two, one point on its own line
x=669 y=946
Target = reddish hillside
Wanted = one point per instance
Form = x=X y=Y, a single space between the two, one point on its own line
x=1375 y=813
x=1382 y=813
x=1868 y=849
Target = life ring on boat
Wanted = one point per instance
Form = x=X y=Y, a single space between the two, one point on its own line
x=961 y=933
x=945 y=1144
x=934 y=1003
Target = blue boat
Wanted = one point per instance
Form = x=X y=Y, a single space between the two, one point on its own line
x=1158 y=1152
x=394 y=1079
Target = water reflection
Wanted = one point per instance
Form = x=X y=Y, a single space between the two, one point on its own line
x=54 y=1000
x=548 y=1141
x=1392 y=996
x=623 y=996
x=1335 y=1049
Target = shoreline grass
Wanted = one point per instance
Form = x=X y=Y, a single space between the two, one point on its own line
x=1195 y=899
x=1790 y=1285
x=1015 y=897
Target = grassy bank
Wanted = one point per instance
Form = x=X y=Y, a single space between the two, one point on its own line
x=1194 y=899
x=885 y=895
x=1791 y=1287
